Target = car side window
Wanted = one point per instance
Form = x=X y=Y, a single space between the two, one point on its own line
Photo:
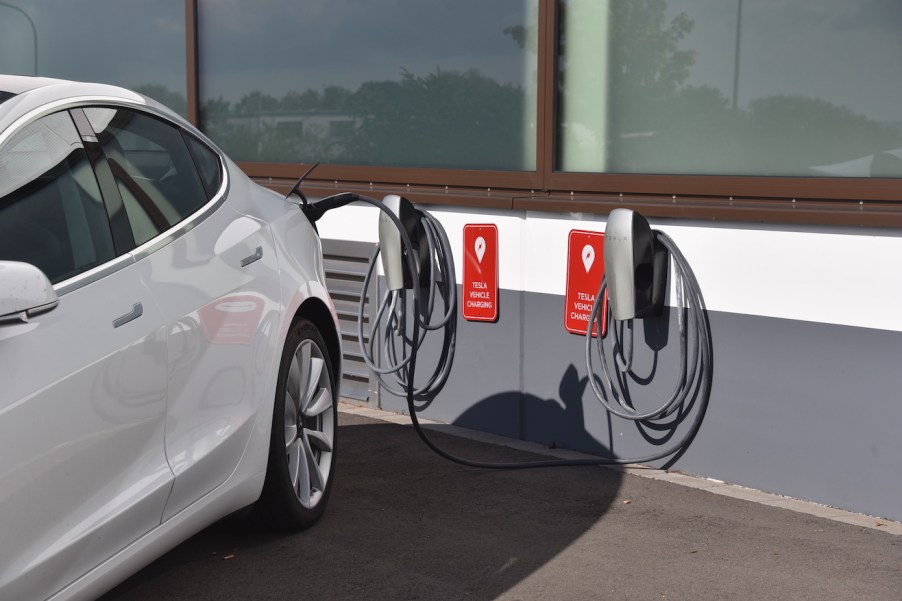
x=153 y=169
x=207 y=163
x=51 y=212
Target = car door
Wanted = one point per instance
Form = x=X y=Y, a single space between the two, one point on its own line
x=82 y=404
x=216 y=280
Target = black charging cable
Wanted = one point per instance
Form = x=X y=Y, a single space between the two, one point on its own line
x=699 y=380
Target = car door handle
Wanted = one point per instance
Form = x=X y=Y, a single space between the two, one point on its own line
x=258 y=254
x=136 y=312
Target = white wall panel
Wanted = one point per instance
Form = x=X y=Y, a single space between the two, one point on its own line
x=842 y=277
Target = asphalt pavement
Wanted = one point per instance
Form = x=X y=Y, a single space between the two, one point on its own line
x=403 y=523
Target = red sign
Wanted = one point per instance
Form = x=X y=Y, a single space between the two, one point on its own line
x=585 y=269
x=480 y=279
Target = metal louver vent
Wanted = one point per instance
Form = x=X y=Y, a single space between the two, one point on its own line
x=345 y=265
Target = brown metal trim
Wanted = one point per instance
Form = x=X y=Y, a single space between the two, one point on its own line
x=191 y=58
x=719 y=188
x=757 y=210
x=498 y=199
x=738 y=207
x=741 y=210
x=527 y=180
x=722 y=186
x=545 y=94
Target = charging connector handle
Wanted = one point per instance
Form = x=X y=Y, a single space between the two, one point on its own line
x=620 y=263
x=390 y=244
x=635 y=263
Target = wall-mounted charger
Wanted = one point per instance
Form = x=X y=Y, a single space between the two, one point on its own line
x=394 y=261
x=635 y=265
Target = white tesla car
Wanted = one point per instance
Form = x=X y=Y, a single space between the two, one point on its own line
x=168 y=350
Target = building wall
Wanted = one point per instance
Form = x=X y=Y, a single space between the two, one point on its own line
x=764 y=137
x=806 y=339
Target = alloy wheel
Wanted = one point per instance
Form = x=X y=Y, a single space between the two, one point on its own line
x=309 y=423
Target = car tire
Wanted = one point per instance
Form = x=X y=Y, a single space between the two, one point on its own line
x=302 y=450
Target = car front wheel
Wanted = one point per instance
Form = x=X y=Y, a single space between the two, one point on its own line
x=302 y=446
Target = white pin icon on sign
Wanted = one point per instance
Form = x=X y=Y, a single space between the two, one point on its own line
x=588 y=257
x=480 y=248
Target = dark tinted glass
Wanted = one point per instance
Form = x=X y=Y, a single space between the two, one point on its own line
x=444 y=83
x=777 y=88
x=155 y=174
x=51 y=213
x=138 y=45
x=208 y=164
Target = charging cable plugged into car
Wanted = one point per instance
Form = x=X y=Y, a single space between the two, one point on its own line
x=419 y=272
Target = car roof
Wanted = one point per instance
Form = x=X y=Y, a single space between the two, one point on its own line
x=24 y=96
x=17 y=84
x=48 y=88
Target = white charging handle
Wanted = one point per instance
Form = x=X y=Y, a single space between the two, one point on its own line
x=619 y=263
x=635 y=265
x=390 y=244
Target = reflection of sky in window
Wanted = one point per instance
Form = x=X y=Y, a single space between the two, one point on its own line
x=125 y=42
x=36 y=149
x=282 y=45
x=846 y=53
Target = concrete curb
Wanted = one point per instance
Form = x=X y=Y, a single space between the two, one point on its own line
x=713 y=486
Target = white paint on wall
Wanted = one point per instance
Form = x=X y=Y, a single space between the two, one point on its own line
x=839 y=276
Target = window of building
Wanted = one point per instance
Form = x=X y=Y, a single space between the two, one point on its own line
x=51 y=212
x=445 y=84
x=138 y=45
x=535 y=104
x=735 y=88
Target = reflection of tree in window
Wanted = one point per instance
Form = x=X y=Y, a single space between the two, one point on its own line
x=168 y=98
x=443 y=119
x=644 y=117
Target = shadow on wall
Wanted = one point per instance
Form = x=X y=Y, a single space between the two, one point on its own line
x=561 y=421
x=554 y=422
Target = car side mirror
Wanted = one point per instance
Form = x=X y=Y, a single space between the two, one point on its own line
x=24 y=292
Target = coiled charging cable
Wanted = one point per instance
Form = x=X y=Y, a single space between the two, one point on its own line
x=400 y=347
x=695 y=343
x=442 y=285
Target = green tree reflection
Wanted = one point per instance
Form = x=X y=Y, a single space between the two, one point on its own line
x=655 y=120
x=443 y=119
x=658 y=123
x=165 y=96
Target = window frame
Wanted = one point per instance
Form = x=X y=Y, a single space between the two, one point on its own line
x=110 y=190
x=174 y=230
x=871 y=202
x=211 y=189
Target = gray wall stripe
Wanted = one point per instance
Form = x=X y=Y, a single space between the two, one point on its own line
x=807 y=410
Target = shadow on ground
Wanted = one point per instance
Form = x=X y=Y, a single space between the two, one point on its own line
x=402 y=524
